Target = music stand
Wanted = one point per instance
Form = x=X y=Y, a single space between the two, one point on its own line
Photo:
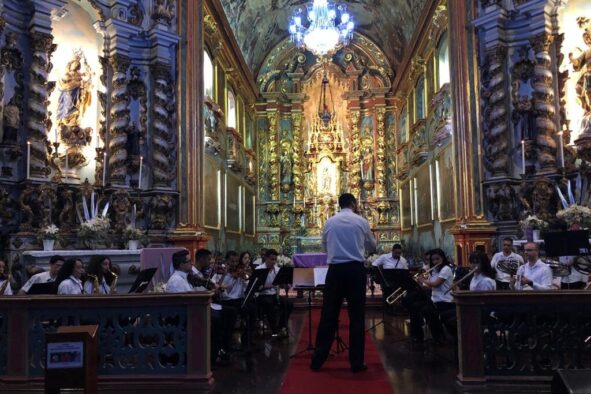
x=384 y=282
x=257 y=280
x=248 y=297
x=42 y=288
x=142 y=280
x=567 y=243
x=284 y=276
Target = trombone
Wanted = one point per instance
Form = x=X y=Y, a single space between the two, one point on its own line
x=399 y=293
x=463 y=278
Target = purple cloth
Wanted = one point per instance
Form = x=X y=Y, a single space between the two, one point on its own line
x=309 y=260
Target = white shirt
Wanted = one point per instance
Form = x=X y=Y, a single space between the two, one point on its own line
x=258 y=261
x=71 y=285
x=42 y=277
x=8 y=290
x=540 y=274
x=386 y=261
x=104 y=288
x=481 y=282
x=441 y=294
x=177 y=283
x=235 y=288
x=574 y=276
x=346 y=237
x=500 y=256
x=270 y=278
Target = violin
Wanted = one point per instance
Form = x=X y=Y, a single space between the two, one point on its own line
x=197 y=281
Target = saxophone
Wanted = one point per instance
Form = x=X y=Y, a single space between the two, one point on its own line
x=6 y=284
x=95 y=283
x=113 y=288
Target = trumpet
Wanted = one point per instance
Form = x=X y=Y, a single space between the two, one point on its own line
x=399 y=293
x=462 y=279
x=113 y=288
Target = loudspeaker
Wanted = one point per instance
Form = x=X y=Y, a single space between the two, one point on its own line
x=571 y=381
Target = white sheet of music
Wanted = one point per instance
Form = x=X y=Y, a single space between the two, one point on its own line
x=320 y=275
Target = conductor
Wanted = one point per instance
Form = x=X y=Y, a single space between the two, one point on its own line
x=346 y=238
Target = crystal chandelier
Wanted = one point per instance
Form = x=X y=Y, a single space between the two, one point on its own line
x=323 y=34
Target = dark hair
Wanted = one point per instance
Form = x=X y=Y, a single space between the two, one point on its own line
x=66 y=271
x=397 y=246
x=271 y=252
x=231 y=253
x=202 y=254
x=94 y=268
x=441 y=253
x=179 y=258
x=508 y=239
x=246 y=252
x=346 y=200
x=55 y=258
x=483 y=262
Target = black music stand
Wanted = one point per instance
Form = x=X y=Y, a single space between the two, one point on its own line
x=257 y=280
x=42 y=288
x=384 y=282
x=284 y=276
x=142 y=280
x=310 y=348
x=252 y=288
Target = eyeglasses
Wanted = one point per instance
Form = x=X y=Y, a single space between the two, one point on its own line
x=529 y=250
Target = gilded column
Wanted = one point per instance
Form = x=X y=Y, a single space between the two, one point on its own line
x=162 y=118
x=39 y=123
x=355 y=161
x=381 y=153
x=297 y=156
x=544 y=103
x=273 y=155
x=119 y=120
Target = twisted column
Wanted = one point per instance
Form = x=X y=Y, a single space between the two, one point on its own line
x=355 y=161
x=381 y=153
x=273 y=155
x=297 y=156
x=119 y=116
x=163 y=102
x=40 y=89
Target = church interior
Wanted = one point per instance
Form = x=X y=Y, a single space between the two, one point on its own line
x=132 y=130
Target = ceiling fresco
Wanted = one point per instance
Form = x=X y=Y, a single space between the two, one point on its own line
x=259 y=25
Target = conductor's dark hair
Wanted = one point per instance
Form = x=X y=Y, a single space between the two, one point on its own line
x=55 y=258
x=179 y=258
x=202 y=254
x=346 y=200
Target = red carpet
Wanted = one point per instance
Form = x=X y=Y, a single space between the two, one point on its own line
x=335 y=375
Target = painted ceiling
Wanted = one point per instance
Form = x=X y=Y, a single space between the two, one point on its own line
x=259 y=25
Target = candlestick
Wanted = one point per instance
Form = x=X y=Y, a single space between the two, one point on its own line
x=104 y=168
x=523 y=155
x=294 y=200
x=139 y=182
x=28 y=159
x=560 y=144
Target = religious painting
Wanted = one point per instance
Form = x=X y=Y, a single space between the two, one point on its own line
x=420 y=99
x=405 y=202
x=423 y=180
x=366 y=127
x=327 y=177
x=403 y=126
x=445 y=179
x=285 y=131
x=211 y=194
x=249 y=212
x=233 y=208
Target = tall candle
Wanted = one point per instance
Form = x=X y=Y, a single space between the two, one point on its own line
x=56 y=135
x=560 y=142
x=28 y=159
x=294 y=200
x=523 y=155
x=139 y=182
x=104 y=168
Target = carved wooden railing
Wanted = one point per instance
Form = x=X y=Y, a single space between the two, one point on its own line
x=145 y=341
x=521 y=338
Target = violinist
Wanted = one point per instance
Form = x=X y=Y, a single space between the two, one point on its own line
x=4 y=278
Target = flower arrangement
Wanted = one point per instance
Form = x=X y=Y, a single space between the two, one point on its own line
x=94 y=228
x=533 y=222
x=575 y=214
x=160 y=287
x=284 y=261
x=49 y=232
x=132 y=233
x=370 y=259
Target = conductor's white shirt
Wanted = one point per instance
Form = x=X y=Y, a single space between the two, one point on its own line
x=387 y=261
x=347 y=237
x=71 y=285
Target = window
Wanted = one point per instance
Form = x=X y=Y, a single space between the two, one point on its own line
x=420 y=99
x=231 y=121
x=403 y=126
x=207 y=75
x=443 y=60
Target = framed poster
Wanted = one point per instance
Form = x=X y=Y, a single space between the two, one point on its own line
x=65 y=355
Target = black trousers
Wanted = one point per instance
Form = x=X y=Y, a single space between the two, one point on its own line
x=343 y=281
x=247 y=314
x=502 y=285
x=573 y=286
x=277 y=310
x=419 y=308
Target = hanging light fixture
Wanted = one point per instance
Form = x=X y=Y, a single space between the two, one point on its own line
x=323 y=33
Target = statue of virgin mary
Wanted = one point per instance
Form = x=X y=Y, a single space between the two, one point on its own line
x=74 y=87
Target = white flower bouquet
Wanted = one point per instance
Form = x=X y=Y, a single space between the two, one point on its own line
x=533 y=222
x=160 y=288
x=131 y=233
x=284 y=261
x=49 y=232
x=575 y=214
x=94 y=228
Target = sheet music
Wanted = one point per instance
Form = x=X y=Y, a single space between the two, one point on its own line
x=320 y=275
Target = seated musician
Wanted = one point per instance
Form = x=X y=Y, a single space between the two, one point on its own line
x=575 y=279
x=55 y=264
x=69 y=277
x=4 y=278
x=392 y=260
x=484 y=277
x=439 y=281
x=535 y=274
x=100 y=276
x=270 y=303
x=507 y=253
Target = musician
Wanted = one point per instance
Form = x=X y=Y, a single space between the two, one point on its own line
x=575 y=279
x=507 y=253
x=69 y=277
x=484 y=277
x=260 y=259
x=535 y=273
x=4 y=277
x=270 y=303
x=101 y=268
x=245 y=262
x=346 y=238
x=55 y=264
x=392 y=260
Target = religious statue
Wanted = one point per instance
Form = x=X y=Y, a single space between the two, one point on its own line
x=286 y=168
x=367 y=166
x=326 y=181
x=75 y=95
x=582 y=61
